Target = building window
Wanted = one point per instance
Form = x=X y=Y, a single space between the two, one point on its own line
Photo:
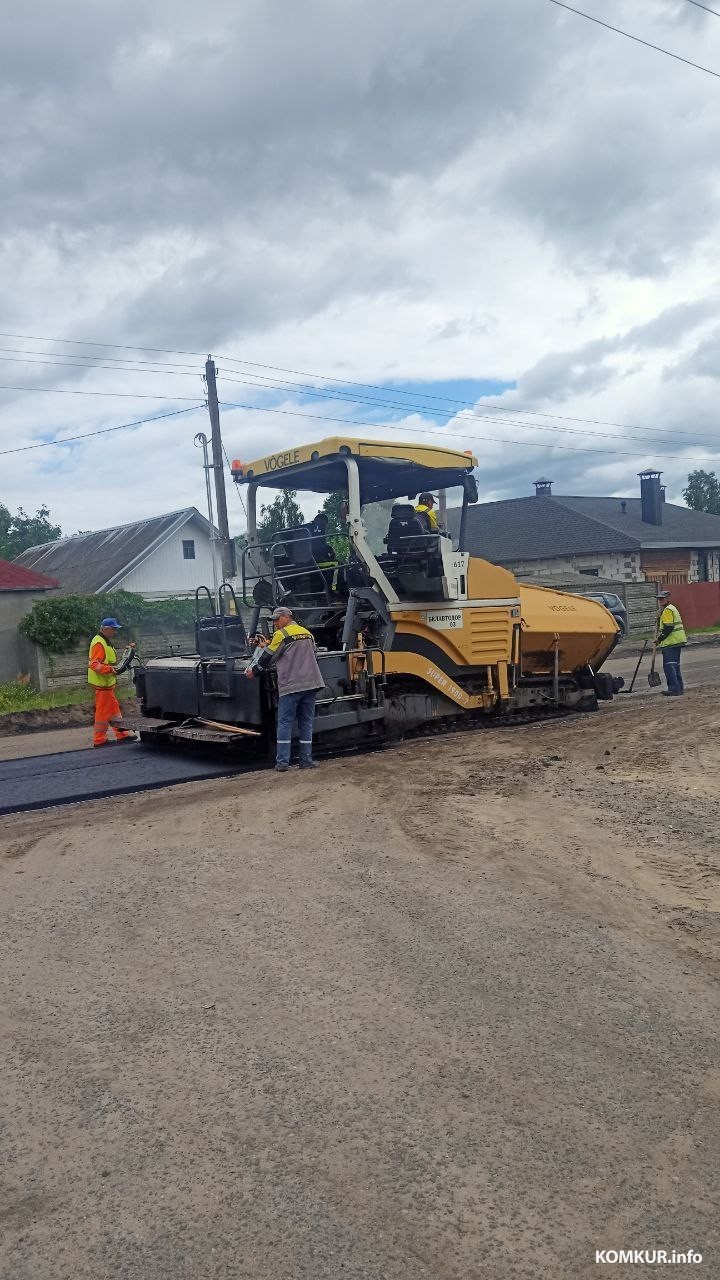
x=188 y=548
x=589 y=573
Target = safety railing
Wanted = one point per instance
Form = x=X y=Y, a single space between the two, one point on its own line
x=280 y=575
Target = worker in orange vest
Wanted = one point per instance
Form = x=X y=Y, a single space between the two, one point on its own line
x=102 y=661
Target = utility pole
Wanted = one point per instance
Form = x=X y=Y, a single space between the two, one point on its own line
x=201 y=439
x=226 y=549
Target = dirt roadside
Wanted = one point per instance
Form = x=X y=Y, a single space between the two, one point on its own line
x=441 y=1013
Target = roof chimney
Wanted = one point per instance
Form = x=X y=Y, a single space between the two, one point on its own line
x=651 y=497
x=623 y=506
x=662 y=492
x=543 y=488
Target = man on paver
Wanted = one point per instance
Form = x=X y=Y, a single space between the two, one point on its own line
x=425 y=508
x=102 y=661
x=670 y=640
x=292 y=652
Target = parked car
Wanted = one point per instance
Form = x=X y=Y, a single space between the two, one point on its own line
x=613 y=604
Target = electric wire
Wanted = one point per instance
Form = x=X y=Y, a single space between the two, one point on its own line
x=479 y=414
x=329 y=378
x=460 y=435
x=697 y=5
x=482 y=414
x=103 y=431
x=638 y=39
x=124 y=395
x=65 y=363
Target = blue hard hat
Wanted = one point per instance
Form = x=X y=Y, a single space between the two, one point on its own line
x=111 y=622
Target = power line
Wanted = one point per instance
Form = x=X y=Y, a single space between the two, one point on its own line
x=482 y=414
x=140 y=422
x=115 y=346
x=296 y=388
x=64 y=363
x=236 y=487
x=123 y=361
x=125 y=395
x=705 y=7
x=638 y=39
x=324 y=378
x=530 y=444
x=345 y=382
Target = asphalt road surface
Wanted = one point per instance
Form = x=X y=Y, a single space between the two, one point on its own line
x=445 y=1013
x=66 y=777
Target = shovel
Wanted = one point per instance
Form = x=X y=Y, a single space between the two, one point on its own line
x=642 y=655
x=653 y=675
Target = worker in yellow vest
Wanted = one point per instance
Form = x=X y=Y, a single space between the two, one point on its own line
x=425 y=507
x=102 y=661
x=671 y=638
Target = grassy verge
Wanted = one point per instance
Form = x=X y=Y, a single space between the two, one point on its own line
x=705 y=631
x=22 y=697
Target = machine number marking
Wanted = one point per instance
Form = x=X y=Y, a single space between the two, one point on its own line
x=444 y=619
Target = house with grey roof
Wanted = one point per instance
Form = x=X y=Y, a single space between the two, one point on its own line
x=168 y=555
x=634 y=539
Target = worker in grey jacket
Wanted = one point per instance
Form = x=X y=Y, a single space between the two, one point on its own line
x=292 y=652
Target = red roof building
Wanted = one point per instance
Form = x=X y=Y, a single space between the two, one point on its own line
x=14 y=578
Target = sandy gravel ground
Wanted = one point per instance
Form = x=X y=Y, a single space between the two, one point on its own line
x=441 y=1013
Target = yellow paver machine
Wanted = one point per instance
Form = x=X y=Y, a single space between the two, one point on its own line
x=414 y=634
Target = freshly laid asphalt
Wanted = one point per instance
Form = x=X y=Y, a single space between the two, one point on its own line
x=37 y=782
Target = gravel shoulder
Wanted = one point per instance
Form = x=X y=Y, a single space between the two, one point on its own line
x=445 y=1012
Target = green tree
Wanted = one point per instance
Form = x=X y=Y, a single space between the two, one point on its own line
x=20 y=531
x=334 y=508
x=282 y=513
x=703 y=492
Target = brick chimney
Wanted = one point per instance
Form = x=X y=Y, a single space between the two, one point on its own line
x=543 y=488
x=651 y=497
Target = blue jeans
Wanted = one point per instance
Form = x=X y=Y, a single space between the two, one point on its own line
x=671 y=667
x=291 y=705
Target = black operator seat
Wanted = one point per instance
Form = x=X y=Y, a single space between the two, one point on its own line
x=407 y=533
x=293 y=546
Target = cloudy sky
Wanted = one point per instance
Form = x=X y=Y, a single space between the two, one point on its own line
x=499 y=213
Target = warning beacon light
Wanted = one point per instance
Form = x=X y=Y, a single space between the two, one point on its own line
x=236 y=469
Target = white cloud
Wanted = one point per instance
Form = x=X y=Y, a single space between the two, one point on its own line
x=372 y=191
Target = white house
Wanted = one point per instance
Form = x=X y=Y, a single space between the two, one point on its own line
x=168 y=555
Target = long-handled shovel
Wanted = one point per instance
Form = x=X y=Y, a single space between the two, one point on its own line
x=642 y=655
x=653 y=675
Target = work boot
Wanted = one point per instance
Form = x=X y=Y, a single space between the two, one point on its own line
x=308 y=764
x=281 y=768
x=105 y=743
x=127 y=737
x=671 y=693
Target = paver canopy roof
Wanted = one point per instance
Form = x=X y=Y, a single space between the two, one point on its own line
x=388 y=469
